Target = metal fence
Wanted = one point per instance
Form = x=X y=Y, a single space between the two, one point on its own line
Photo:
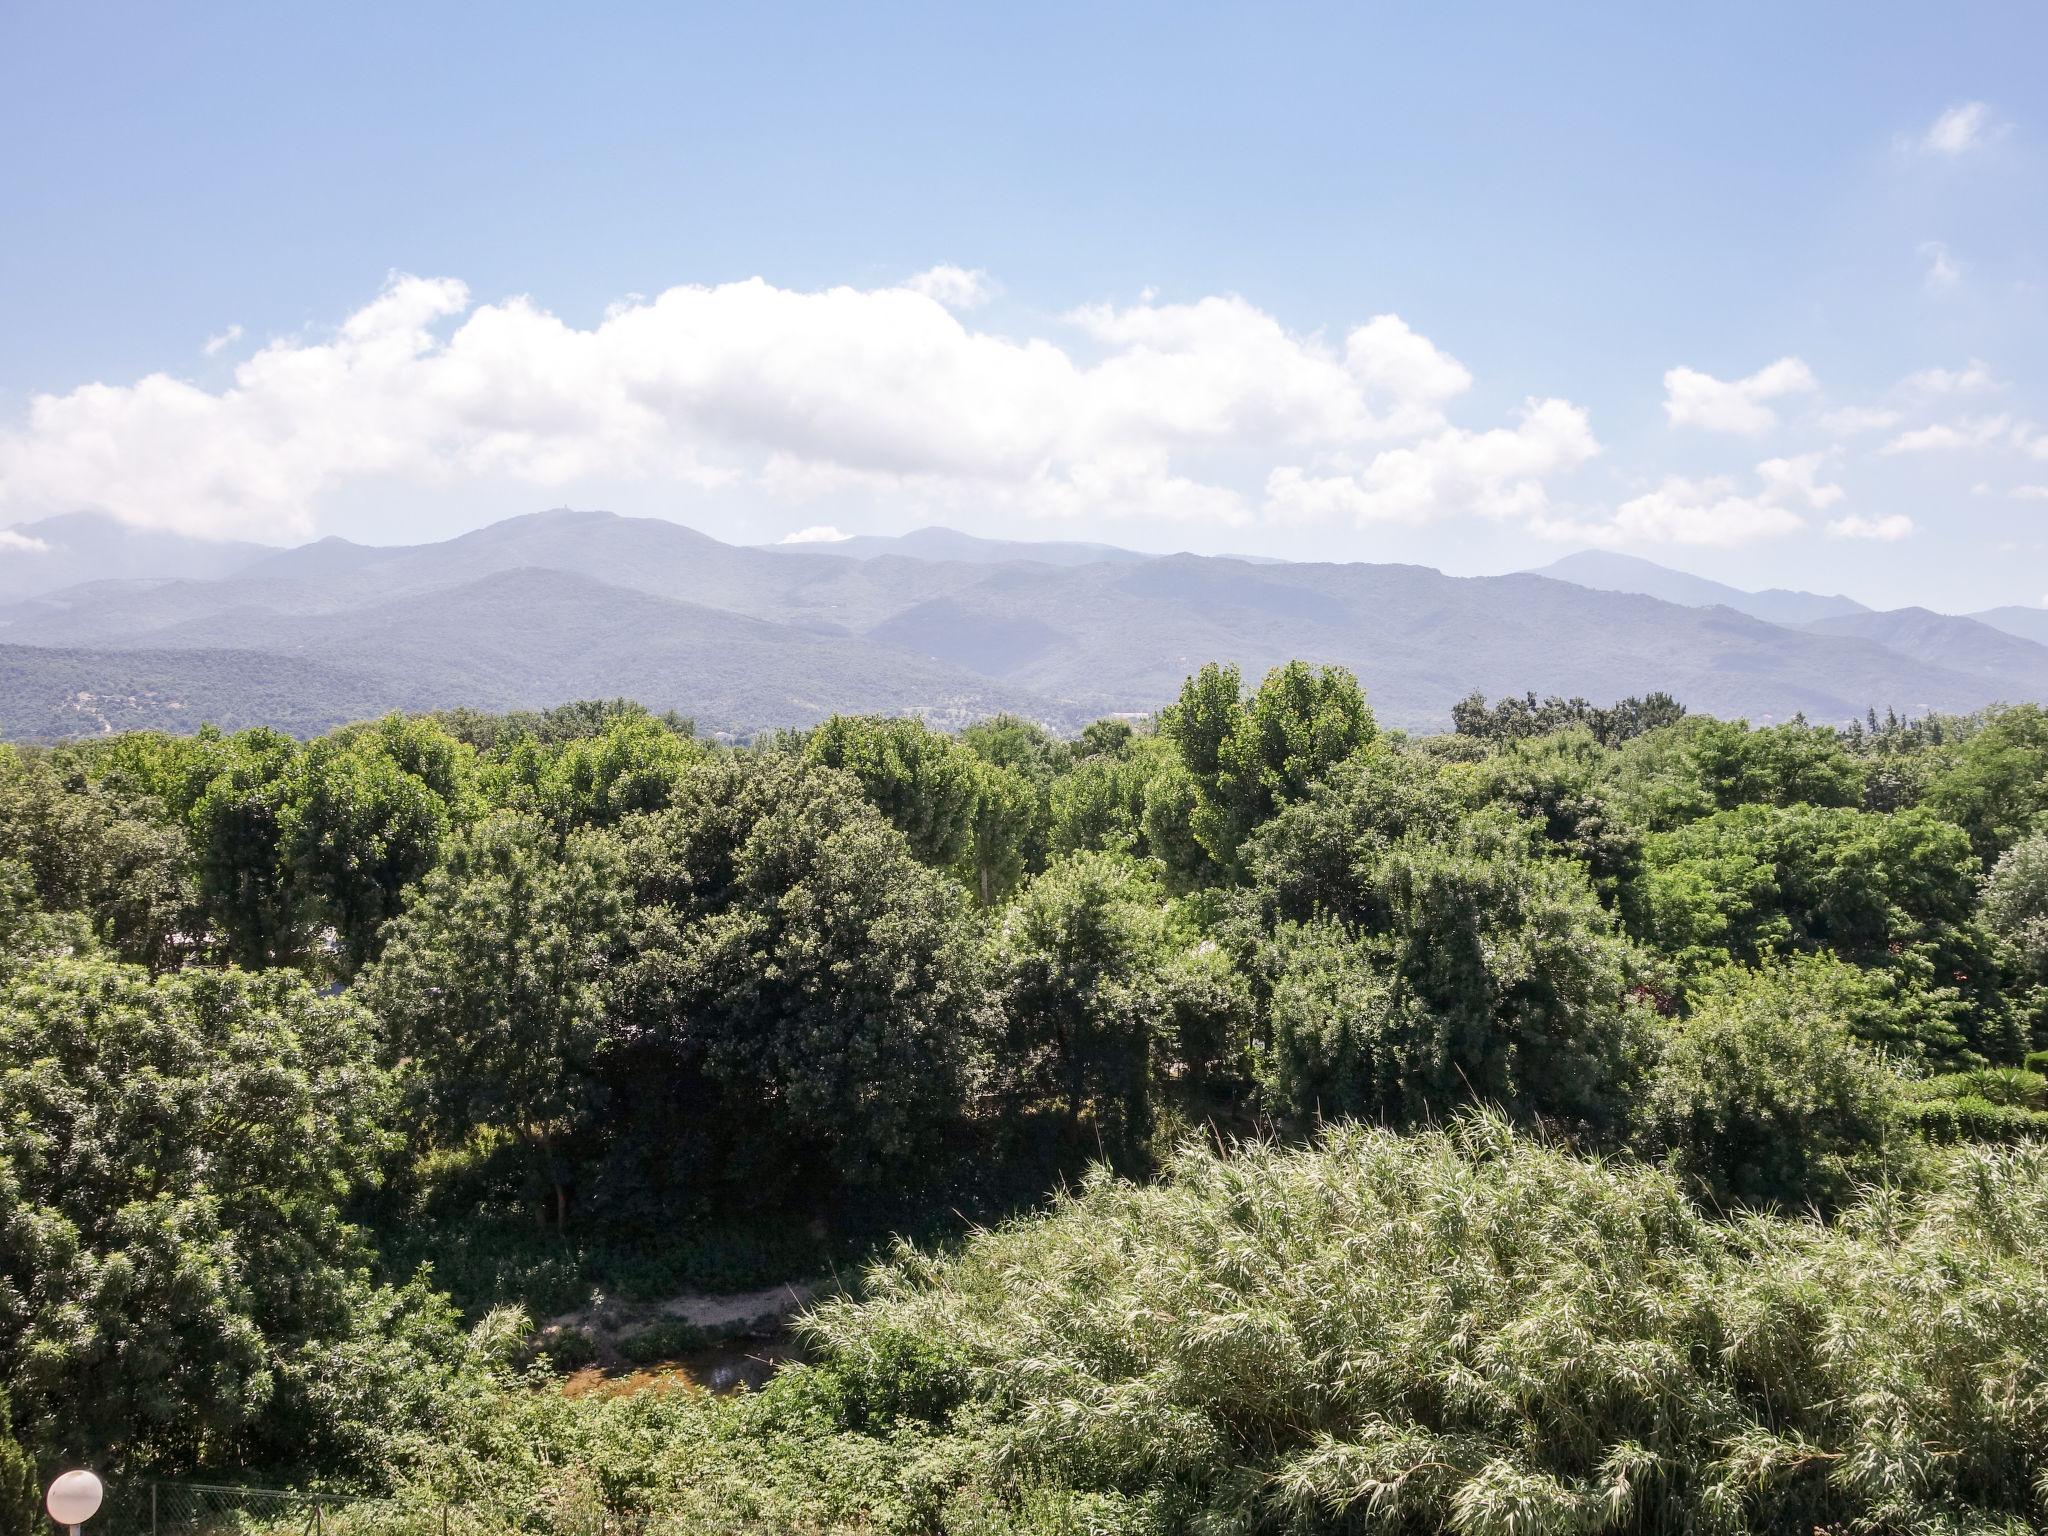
x=211 y=1509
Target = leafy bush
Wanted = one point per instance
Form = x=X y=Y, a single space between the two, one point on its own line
x=1765 y=1097
x=664 y=1341
x=1972 y=1117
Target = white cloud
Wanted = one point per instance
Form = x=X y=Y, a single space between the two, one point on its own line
x=1961 y=128
x=2029 y=493
x=1885 y=529
x=1980 y=432
x=1943 y=270
x=1695 y=399
x=1495 y=474
x=1700 y=512
x=1972 y=377
x=954 y=287
x=818 y=533
x=216 y=344
x=22 y=543
x=1796 y=480
x=1711 y=512
x=1164 y=410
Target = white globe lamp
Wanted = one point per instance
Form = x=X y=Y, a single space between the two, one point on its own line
x=73 y=1499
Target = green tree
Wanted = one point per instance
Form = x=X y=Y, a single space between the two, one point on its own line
x=1996 y=786
x=1248 y=758
x=915 y=776
x=493 y=982
x=1004 y=832
x=1074 y=951
x=1764 y=1098
x=799 y=985
x=102 y=850
x=367 y=813
x=170 y=1191
x=21 y=1511
x=1505 y=980
x=237 y=827
x=1895 y=890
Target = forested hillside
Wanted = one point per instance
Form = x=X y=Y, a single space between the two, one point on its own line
x=1592 y=1118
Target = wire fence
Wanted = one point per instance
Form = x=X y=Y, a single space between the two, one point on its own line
x=211 y=1509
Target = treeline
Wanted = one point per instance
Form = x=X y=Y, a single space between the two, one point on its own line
x=521 y=995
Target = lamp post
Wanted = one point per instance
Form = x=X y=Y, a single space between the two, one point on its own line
x=73 y=1499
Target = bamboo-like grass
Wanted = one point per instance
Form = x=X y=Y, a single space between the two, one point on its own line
x=1467 y=1330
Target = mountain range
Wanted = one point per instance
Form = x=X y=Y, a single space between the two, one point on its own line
x=551 y=606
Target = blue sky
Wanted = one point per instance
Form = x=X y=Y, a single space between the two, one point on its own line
x=1108 y=271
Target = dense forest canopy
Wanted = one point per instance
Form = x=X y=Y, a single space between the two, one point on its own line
x=1596 y=1118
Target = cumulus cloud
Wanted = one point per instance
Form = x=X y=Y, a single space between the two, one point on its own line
x=1496 y=474
x=1961 y=128
x=1797 y=481
x=1946 y=436
x=1972 y=377
x=954 y=287
x=1712 y=512
x=1153 y=409
x=21 y=543
x=2029 y=493
x=817 y=533
x=219 y=343
x=1884 y=529
x=1695 y=399
x=1706 y=513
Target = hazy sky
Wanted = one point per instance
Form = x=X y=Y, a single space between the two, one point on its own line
x=1759 y=291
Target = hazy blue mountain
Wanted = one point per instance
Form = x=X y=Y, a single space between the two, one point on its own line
x=949 y=544
x=528 y=638
x=89 y=546
x=543 y=608
x=1958 y=644
x=1605 y=571
x=2027 y=623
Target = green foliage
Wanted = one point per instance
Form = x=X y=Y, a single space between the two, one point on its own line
x=493 y=982
x=170 y=1235
x=1468 y=1331
x=912 y=774
x=1996 y=786
x=1073 y=955
x=237 y=828
x=743 y=1010
x=368 y=811
x=1702 y=765
x=1765 y=1097
x=1487 y=970
x=105 y=851
x=21 y=1511
x=1513 y=719
x=1897 y=891
x=788 y=951
x=1248 y=757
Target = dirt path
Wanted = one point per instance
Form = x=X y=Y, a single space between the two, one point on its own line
x=766 y=1310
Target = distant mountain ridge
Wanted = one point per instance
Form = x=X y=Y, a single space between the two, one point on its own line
x=58 y=552
x=950 y=544
x=1605 y=571
x=550 y=606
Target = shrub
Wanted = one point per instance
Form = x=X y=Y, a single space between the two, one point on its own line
x=1972 y=1117
x=1765 y=1097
